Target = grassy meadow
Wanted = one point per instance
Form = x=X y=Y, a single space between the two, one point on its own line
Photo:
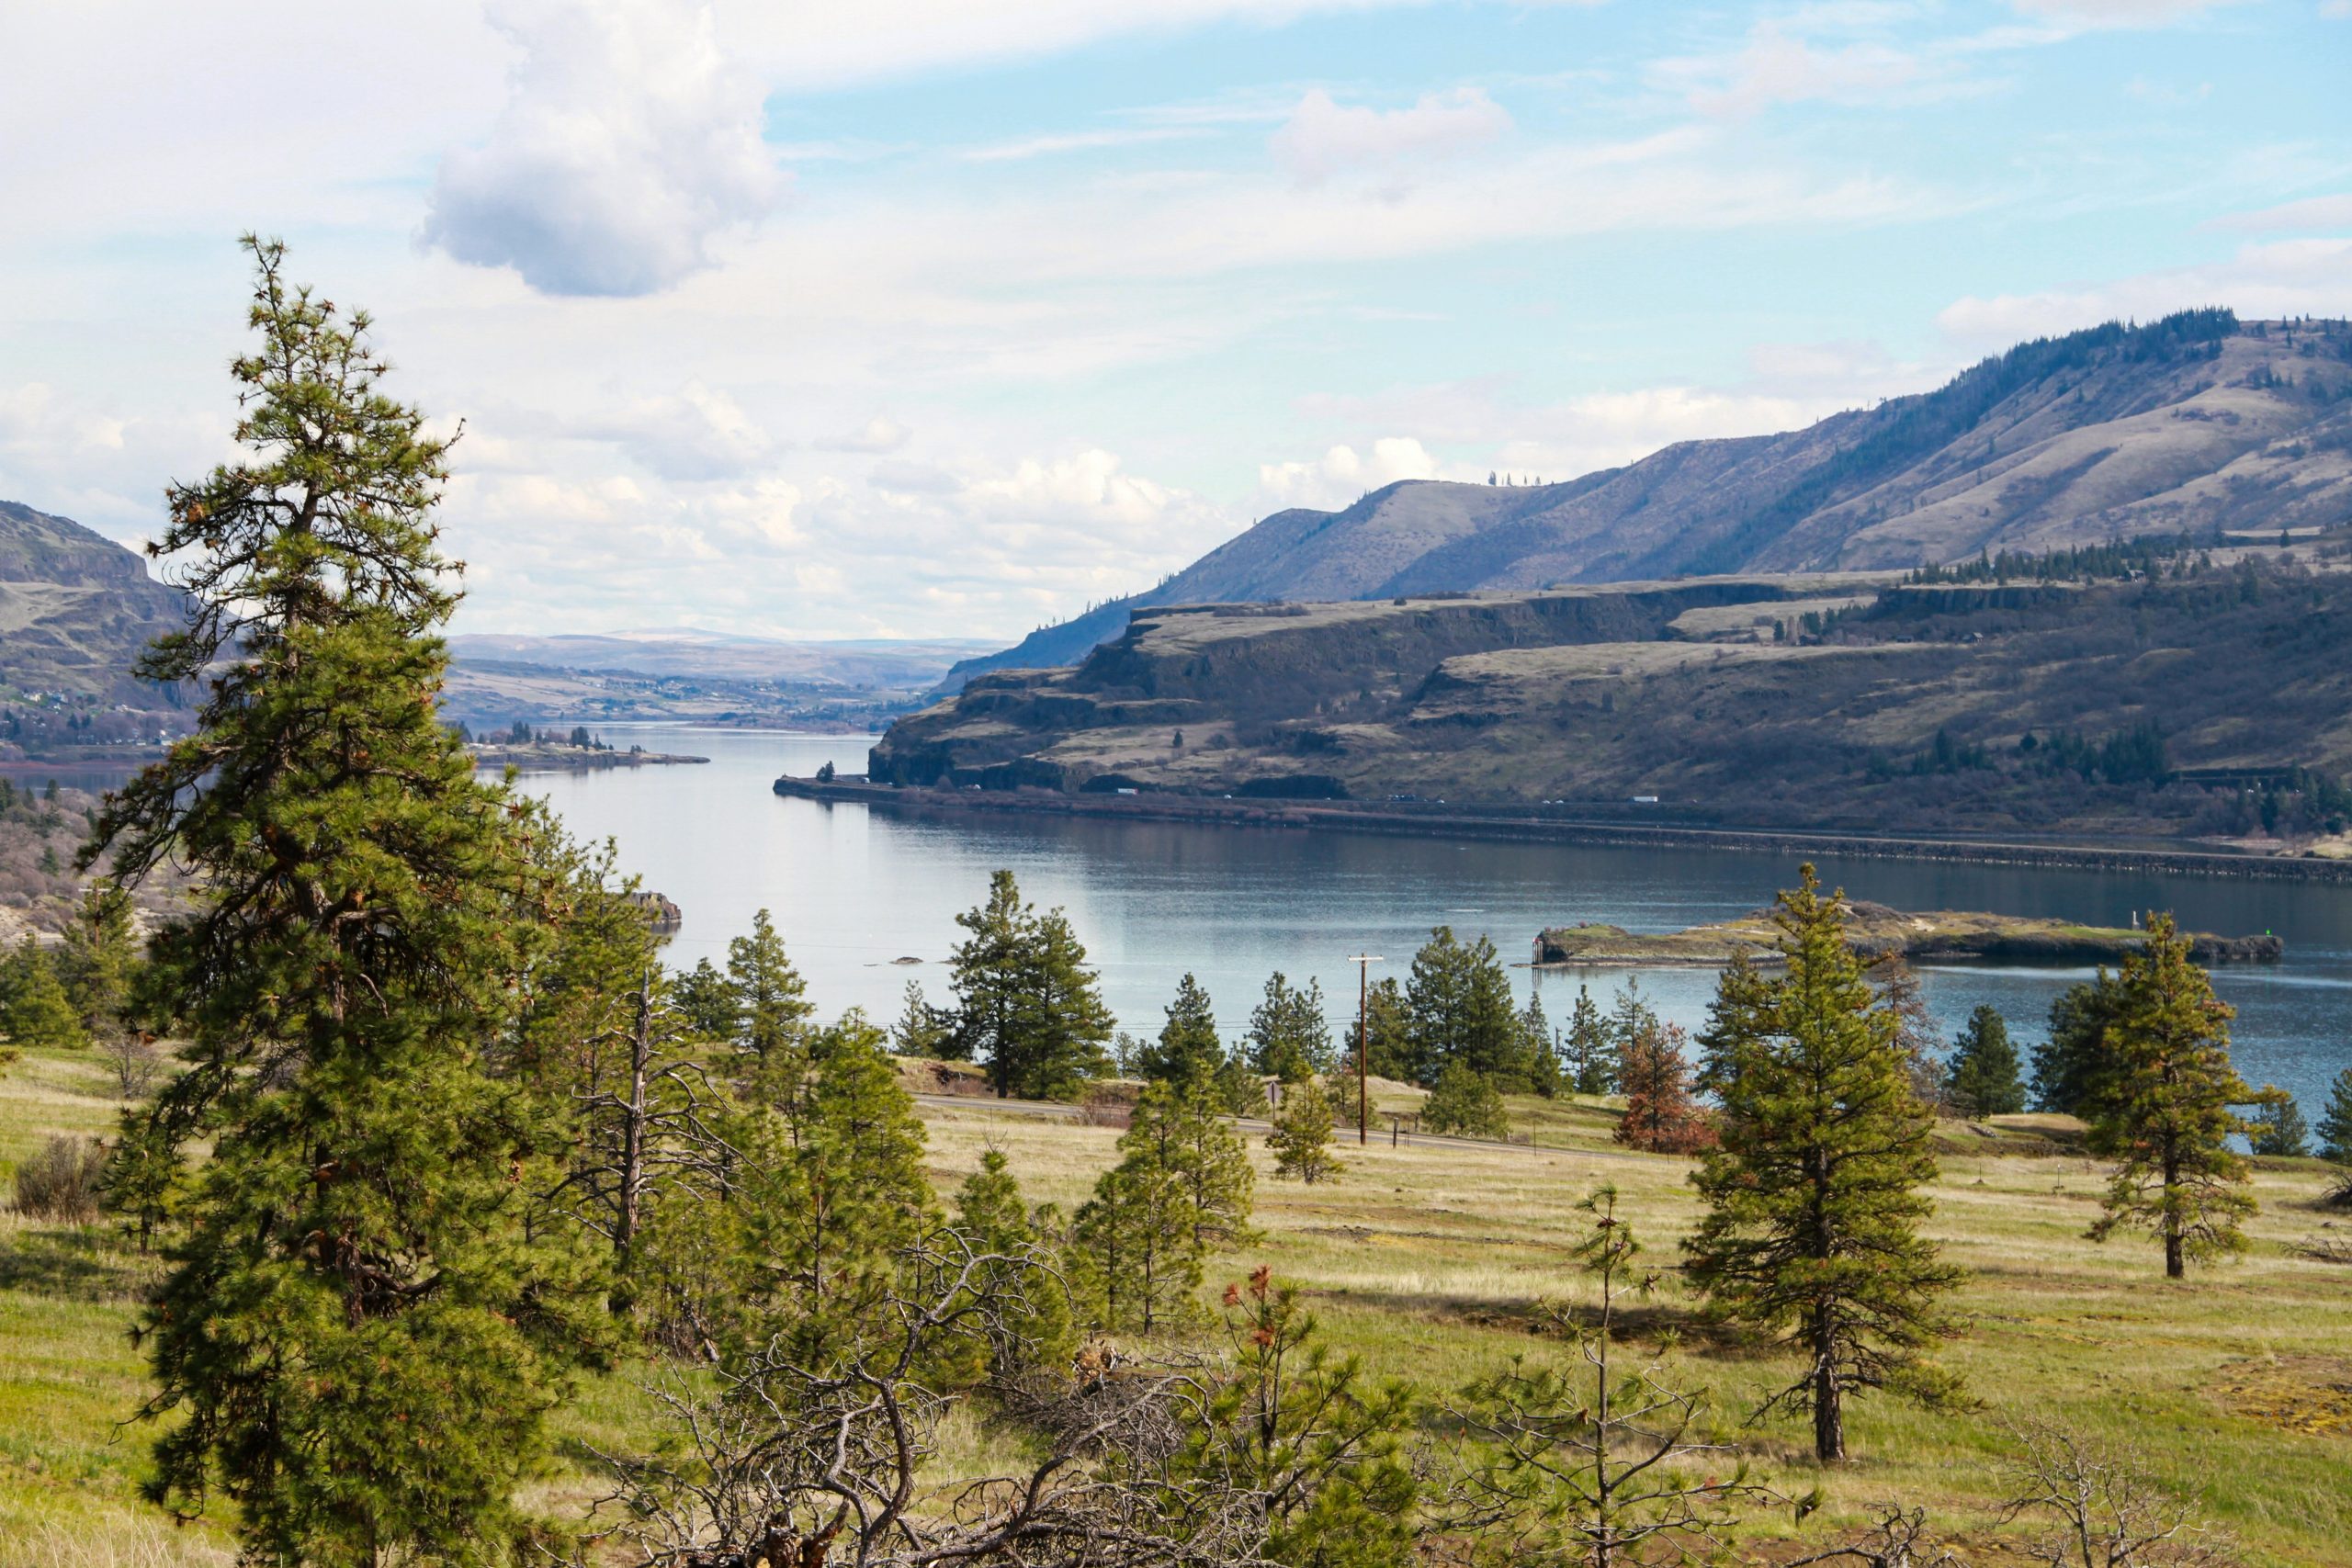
x=1430 y=1259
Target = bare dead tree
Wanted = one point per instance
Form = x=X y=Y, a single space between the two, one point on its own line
x=1897 y=1537
x=137 y=1064
x=1598 y=1466
x=2107 y=1510
x=648 y=1126
x=784 y=1465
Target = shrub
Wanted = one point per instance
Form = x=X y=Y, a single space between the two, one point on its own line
x=60 y=1182
x=1465 y=1103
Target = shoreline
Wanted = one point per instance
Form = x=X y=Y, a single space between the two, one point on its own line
x=1510 y=829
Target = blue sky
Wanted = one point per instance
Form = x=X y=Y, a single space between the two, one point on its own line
x=946 y=317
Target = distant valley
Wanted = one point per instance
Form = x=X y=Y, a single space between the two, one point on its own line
x=685 y=676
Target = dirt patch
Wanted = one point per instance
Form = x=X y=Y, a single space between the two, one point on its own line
x=2311 y=1394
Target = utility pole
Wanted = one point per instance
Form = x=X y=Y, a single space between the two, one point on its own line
x=1364 y=962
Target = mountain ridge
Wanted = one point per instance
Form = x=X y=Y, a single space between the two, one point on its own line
x=2196 y=421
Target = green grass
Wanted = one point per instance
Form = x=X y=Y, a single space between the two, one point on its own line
x=1432 y=1259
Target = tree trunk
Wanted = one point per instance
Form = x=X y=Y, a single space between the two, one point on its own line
x=2175 y=1263
x=1829 y=1416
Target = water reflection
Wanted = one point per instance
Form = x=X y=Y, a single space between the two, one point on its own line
x=854 y=890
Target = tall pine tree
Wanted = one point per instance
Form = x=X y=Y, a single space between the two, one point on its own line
x=360 y=1335
x=1813 y=1201
x=2164 y=1114
x=1460 y=1009
x=1983 y=1081
x=2335 y=1121
x=35 y=1011
x=1026 y=1003
x=1289 y=1038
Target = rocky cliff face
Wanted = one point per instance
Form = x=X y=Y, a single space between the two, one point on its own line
x=2210 y=692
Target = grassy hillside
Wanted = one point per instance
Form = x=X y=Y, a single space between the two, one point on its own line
x=2197 y=422
x=1432 y=1259
x=1851 y=701
x=75 y=609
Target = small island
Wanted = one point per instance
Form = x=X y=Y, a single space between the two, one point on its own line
x=1943 y=936
x=546 y=751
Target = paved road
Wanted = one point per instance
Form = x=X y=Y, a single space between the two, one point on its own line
x=1058 y=1110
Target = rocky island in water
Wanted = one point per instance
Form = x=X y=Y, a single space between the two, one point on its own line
x=1943 y=936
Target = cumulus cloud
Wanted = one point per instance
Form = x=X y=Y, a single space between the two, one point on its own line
x=626 y=147
x=1323 y=136
x=1342 y=474
x=700 y=434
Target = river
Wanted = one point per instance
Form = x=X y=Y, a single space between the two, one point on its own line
x=854 y=890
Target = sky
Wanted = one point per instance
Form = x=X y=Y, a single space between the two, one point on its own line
x=949 y=318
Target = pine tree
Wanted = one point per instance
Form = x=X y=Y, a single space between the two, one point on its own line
x=1984 y=1077
x=35 y=1012
x=771 y=1009
x=1289 y=1038
x=1662 y=1116
x=707 y=1002
x=1584 y=1464
x=1026 y=1004
x=833 y=1189
x=1590 y=1060
x=1138 y=1257
x=2335 y=1121
x=1309 y=1433
x=363 y=1329
x=923 y=1029
x=1460 y=1005
x=1814 y=1198
x=1212 y=1166
x=2279 y=1130
x=1300 y=1140
x=1536 y=1047
x=2074 y=1068
x=2165 y=1116
x=1388 y=1032
x=1034 y=1326
x=1187 y=1051
x=1068 y=1022
x=1631 y=1018
x=1465 y=1103
x=101 y=958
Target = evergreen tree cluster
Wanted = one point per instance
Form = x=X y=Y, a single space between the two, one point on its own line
x=451 y=1138
x=2145 y=558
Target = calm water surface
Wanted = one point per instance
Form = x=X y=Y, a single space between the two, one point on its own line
x=853 y=890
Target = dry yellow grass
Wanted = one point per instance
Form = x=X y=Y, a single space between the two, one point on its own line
x=1430 y=1258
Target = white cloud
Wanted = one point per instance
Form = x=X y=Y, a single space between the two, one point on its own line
x=626 y=147
x=700 y=434
x=2293 y=217
x=2118 y=13
x=2337 y=10
x=1027 y=147
x=1777 y=66
x=2286 y=278
x=1323 y=138
x=1342 y=474
x=880 y=433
